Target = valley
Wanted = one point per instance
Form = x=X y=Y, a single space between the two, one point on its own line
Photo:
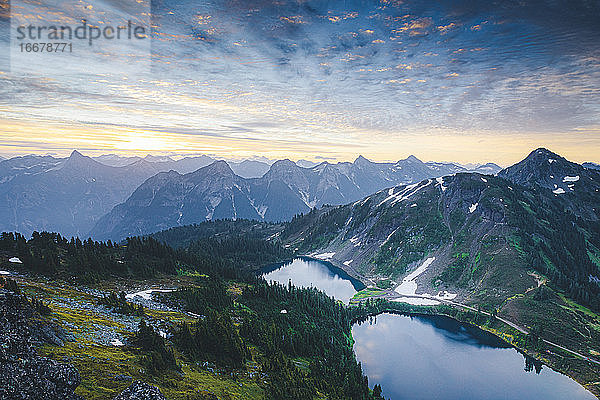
x=187 y=310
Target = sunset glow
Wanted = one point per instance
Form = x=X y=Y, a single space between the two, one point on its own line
x=298 y=80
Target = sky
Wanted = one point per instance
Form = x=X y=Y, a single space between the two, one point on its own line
x=464 y=81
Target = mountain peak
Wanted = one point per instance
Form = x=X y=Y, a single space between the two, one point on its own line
x=542 y=159
x=77 y=160
x=542 y=153
x=281 y=164
x=75 y=155
x=413 y=158
x=360 y=160
x=219 y=167
x=543 y=150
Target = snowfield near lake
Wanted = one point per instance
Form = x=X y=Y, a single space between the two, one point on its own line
x=15 y=260
x=445 y=295
x=415 y=301
x=408 y=287
x=473 y=207
x=324 y=256
x=116 y=342
x=558 y=191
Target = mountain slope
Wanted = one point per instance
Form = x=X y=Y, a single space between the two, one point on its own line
x=485 y=233
x=285 y=190
x=68 y=195
x=576 y=186
x=392 y=231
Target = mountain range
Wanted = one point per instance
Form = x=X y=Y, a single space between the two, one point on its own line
x=286 y=189
x=114 y=197
x=484 y=234
x=70 y=194
x=65 y=195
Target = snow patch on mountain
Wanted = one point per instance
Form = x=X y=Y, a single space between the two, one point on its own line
x=416 y=301
x=408 y=287
x=389 y=236
x=324 y=256
x=440 y=180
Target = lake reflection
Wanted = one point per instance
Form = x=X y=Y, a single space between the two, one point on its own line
x=432 y=358
x=305 y=272
x=439 y=358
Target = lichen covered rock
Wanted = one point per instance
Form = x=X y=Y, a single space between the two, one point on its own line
x=23 y=373
x=140 y=391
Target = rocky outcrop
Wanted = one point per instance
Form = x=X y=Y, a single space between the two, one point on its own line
x=23 y=373
x=140 y=391
x=576 y=186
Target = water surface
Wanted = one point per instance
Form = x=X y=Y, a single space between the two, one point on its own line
x=440 y=358
x=432 y=358
x=306 y=272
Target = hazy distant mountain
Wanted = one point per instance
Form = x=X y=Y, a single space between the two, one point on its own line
x=159 y=163
x=306 y=163
x=591 y=165
x=26 y=165
x=249 y=168
x=114 y=160
x=284 y=190
x=64 y=195
x=487 y=169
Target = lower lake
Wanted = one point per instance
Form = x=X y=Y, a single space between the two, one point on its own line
x=432 y=357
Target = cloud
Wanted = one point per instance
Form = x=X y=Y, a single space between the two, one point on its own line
x=323 y=72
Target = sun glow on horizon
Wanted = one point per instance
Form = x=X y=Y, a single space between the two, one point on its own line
x=313 y=87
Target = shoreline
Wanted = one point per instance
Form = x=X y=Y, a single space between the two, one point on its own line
x=389 y=295
x=522 y=350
